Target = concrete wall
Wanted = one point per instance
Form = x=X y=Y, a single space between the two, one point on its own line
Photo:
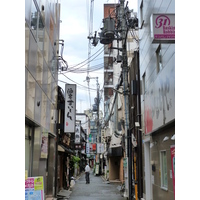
x=114 y=166
x=157 y=96
x=158 y=192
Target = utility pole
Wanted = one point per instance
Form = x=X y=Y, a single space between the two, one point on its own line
x=123 y=32
x=97 y=101
x=107 y=35
x=98 y=159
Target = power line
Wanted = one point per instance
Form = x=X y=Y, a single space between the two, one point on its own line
x=76 y=82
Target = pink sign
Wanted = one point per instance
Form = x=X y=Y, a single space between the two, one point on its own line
x=34 y=188
x=29 y=183
x=163 y=27
x=172 y=148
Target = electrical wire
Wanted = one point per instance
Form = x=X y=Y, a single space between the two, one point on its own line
x=75 y=69
x=77 y=83
x=88 y=59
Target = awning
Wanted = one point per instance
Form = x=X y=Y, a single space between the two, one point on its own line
x=62 y=148
x=115 y=148
x=115 y=142
x=118 y=151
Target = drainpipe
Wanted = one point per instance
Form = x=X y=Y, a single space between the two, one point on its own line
x=139 y=132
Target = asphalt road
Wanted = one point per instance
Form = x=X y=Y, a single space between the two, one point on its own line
x=98 y=189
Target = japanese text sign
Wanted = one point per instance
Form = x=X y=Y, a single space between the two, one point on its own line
x=77 y=133
x=70 y=108
x=34 y=188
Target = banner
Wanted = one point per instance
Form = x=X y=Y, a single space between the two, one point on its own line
x=44 y=145
x=34 y=188
x=172 y=148
x=70 y=108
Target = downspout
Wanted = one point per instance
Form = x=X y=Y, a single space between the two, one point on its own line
x=139 y=132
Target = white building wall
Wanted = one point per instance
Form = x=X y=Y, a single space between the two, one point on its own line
x=157 y=99
x=159 y=106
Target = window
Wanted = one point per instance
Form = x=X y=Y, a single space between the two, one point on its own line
x=143 y=81
x=34 y=17
x=37 y=25
x=163 y=166
x=159 y=59
x=141 y=14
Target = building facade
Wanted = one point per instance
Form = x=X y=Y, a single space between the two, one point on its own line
x=42 y=24
x=157 y=77
x=112 y=71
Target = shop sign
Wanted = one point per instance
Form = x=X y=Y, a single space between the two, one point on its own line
x=90 y=138
x=125 y=162
x=163 y=28
x=77 y=133
x=34 y=188
x=44 y=145
x=78 y=146
x=70 y=108
x=100 y=148
x=94 y=147
x=87 y=148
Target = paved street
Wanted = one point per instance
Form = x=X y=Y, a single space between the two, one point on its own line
x=98 y=189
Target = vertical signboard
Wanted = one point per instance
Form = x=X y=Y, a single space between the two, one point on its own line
x=77 y=133
x=163 y=28
x=100 y=148
x=172 y=148
x=70 y=108
x=44 y=145
x=87 y=148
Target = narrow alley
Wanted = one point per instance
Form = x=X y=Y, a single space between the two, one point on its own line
x=99 y=96
x=97 y=189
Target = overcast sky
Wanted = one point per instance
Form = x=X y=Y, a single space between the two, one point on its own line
x=74 y=30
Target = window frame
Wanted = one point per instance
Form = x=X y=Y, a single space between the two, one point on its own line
x=37 y=25
x=159 y=59
x=163 y=170
x=141 y=14
x=144 y=82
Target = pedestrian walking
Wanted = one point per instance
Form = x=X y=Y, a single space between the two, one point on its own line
x=87 y=173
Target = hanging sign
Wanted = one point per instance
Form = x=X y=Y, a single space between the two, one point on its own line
x=100 y=148
x=77 y=133
x=87 y=148
x=70 y=108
